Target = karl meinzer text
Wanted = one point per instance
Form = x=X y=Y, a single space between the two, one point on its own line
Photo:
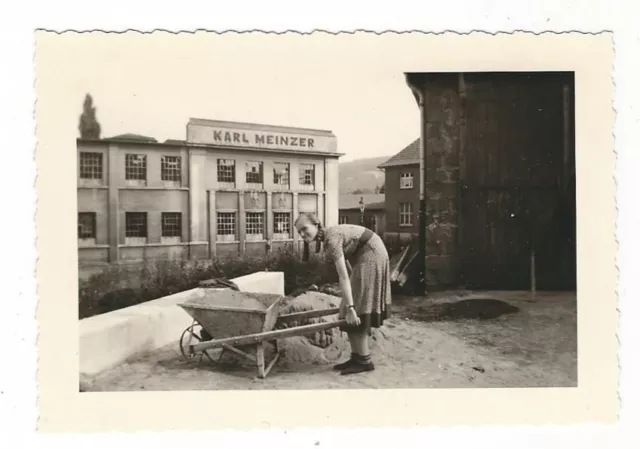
x=262 y=139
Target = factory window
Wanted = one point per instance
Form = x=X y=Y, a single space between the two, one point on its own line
x=405 y=214
x=171 y=168
x=343 y=219
x=90 y=165
x=406 y=181
x=281 y=174
x=136 y=227
x=307 y=176
x=254 y=172
x=281 y=225
x=226 y=224
x=86 y=225
x=171 y=224
x=255 y=226
x=227 y=171
x=136 y=167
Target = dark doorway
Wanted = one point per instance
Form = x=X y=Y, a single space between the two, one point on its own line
x=518 y=180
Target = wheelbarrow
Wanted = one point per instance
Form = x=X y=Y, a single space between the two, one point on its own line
x=243 y=323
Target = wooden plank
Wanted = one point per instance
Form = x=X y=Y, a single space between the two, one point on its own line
x=271 y=364
x=239 y=352
x=566 y=131
x=298 y=316
x=407 y=269
x=515 y=133
x=260 y=359
x=460 y=250
x=263 y=368
x=272 y=335
x=396 y=264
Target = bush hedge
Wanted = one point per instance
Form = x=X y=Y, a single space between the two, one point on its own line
x=121 y=286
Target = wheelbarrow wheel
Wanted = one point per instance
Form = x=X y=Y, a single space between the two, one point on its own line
x=195 y=331
x=185 y=340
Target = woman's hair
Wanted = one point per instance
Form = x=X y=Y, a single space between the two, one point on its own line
x=313 y=219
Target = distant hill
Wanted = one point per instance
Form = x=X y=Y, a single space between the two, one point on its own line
x=361 y=175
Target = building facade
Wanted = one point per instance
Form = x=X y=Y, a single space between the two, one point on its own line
x=499 y=176
x=373 y=216
x=230 y=188
x=401 y=188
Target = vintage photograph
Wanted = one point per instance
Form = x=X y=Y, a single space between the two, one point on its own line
x=297 y=227
x=319 y=241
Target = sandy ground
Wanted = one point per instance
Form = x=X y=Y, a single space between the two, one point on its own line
x=449 y=340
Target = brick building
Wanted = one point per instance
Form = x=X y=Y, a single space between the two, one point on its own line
x=499 y=177
x=401 y=192
x=373 y=217
x=229 y=188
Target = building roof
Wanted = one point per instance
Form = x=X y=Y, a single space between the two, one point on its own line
x=154 y=144
x=376 y=206
x=175 y=142
x=134 y=137
x=408 y=156
x=352 y=201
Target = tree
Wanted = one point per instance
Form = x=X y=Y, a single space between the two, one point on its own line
x=380 y=189
x=89 y=126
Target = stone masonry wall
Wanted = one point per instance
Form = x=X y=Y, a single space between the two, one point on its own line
x=442 y=107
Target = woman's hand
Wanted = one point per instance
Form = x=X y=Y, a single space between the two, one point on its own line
x=346 y=310
x=352 y=317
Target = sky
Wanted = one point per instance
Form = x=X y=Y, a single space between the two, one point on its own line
x=151 y=84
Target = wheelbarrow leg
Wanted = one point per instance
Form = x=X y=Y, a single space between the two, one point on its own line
x=260 y=360
x=263 y=370
x=275 y=357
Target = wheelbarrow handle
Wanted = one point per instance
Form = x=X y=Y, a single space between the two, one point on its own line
x=298 y=316
x=265 y=336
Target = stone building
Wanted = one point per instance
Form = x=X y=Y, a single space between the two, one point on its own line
x=499 y=177
x=229 y=188
x=373 y=215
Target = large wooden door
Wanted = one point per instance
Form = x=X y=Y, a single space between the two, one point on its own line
x=516 y=182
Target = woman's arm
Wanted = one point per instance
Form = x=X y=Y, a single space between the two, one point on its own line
x=349 y=269
x=345 y=283
x=333 y=247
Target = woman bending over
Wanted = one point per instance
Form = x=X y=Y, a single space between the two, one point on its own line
x=366 y=293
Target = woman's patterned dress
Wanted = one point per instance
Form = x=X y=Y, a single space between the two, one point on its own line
x=370 y=277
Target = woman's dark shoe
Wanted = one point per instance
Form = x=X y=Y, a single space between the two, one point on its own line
x=358 y=367
x=360 y=364
x=343 y=365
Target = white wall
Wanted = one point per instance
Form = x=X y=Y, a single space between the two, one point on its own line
x=110 y=339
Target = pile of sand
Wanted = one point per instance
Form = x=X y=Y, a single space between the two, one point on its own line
x=302 y=350
x=328 y=346
x=309 y=301
x=313 y=301
x=229 y=298
x=330 y=289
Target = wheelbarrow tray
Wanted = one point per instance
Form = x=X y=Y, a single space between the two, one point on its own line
x=224 y=313
x=215 y=313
